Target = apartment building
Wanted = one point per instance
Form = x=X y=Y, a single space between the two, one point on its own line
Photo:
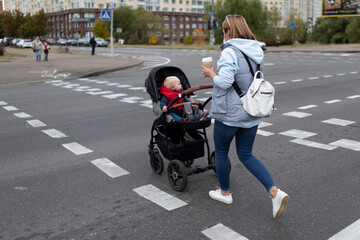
x=50 y=6
x=308 y=10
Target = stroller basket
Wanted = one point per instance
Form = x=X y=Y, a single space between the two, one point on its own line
x=189 y=147
x=194 y=124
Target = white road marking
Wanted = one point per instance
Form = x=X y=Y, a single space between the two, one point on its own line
x=137 y=88
x=297 y=114
x=351 y=232
x=264 y=133
x=83 y=87
x=22 y=115
x=348 y=144
x=313 y=78
x=352 y=97
x=2 y=103
x=113 y=84
x=297 y=80
x=295 y=133
x=341 y=74
x=54 y=133
x=130 y=99
x=124 y=86
x=93 y=89
x=115 y=95
x=278 y=83
x=71 y=85
x=36 y=123
x=110 y=168
x=146 y=105
x=76 y=148
x=60 y=84
x=102 y=82
x=307 y=107
x=202 y=99
x=221 y=232
x=354 y=72
x=269 y=64
x=264 y=124
x=337 y=121
x=313 y=144
x=159 y=197
x=327 y=76
x=332 y=101
x=10 y=108
x=100 y=93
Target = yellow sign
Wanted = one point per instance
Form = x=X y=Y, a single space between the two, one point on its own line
x=340 y=8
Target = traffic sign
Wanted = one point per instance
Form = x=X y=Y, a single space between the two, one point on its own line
x=112 y=5
x=105 y=15
x=292 y=24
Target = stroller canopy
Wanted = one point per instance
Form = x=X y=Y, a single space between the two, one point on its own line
x=157 y=76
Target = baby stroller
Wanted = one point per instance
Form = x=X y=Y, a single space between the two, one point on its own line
x=179 y=142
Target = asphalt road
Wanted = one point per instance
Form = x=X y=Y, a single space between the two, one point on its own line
x=75 y=164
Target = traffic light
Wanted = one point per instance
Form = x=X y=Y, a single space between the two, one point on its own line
x=213 y=24
x=210 y=26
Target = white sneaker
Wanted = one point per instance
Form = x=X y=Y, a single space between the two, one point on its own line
x=279 y=203
x=216 y=195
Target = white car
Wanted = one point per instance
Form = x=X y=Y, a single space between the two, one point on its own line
x=101 y=42
x=25 y=43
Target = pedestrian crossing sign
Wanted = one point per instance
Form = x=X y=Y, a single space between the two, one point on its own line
x=105 y=15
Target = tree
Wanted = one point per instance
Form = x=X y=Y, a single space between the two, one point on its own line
x=251 y=10
x=188 y=40
x=26 y=30
x=330 y=30
x=40 y=27
x=300 y=30
x=100 y=30
x=274 y=17
x=353 y=30
x=1 y=27
x=12 y=21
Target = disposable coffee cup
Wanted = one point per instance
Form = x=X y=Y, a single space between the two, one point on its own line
x=207 y=62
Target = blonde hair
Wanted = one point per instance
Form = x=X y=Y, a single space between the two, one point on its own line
x=169 y=82
x=238 y=26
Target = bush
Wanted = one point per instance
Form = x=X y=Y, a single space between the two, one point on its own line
x=2 y=48
x=188 y=40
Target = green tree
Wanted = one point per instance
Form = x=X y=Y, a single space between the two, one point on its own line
x=353 y=30
x=251 y=10
x=188 y=40
x=330 y=30
x=1 y=27
x=100 y=30
x=26 y=30
x=12 y=21
x=274 y=17
x=40 y=27
x=300 y=31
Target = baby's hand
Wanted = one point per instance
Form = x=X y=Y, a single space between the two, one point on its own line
x=164 y=109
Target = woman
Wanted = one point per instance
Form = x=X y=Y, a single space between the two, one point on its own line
x=37 y=46
x=230 y=118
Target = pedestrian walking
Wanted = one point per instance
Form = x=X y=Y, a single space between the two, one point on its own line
x=93 y=45
x=231 y=120
x=46 y=51
x=277 y=41
x=37 y=47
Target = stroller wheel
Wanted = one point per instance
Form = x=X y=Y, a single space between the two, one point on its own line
x=156 y=161
x=212 y=157
x=188 y=163
x=177 y=175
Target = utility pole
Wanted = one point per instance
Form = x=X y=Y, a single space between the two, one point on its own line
x=212 y=38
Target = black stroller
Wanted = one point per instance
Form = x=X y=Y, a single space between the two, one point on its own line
x=179 y=142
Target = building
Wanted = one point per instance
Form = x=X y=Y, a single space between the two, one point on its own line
x=307 y=10
x=79 y=23
x=51 y=6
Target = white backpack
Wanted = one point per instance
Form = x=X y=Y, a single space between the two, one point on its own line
x=259 y=99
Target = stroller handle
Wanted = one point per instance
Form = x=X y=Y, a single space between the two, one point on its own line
x=199 y=87
x=182 y=104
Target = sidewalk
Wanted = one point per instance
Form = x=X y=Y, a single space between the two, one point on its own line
x=60 y=66
x=70 y=66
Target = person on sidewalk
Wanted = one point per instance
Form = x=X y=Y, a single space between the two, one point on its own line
x=278 y=41
x=231 y=120
x=46 y=51
x=93 y=45
x=37 y=47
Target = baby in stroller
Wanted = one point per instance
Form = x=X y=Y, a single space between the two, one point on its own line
x=170 y=90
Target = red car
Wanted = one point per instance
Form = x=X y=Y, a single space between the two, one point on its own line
x=51 y=41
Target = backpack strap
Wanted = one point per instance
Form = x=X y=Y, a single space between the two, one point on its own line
x=235 y=86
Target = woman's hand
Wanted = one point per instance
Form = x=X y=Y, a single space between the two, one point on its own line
x=164 y=109
x=208 y=72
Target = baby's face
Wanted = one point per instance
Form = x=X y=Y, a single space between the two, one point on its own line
x=177 y=85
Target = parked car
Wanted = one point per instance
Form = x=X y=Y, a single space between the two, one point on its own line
x=61 y=41
x=15 y=41
x=25 y=43
x=100 y=42
x=262 y=45
x=84 y=42
x=71 y=42
x=7 y=41
x=51 y=41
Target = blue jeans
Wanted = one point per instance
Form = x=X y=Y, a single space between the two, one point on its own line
x=244 y=137
x=38 y=55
